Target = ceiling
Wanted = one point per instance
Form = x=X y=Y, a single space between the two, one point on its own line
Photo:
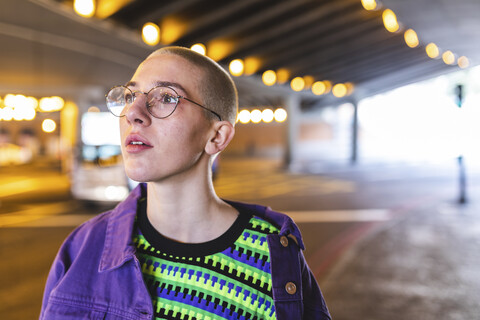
x=48 y=49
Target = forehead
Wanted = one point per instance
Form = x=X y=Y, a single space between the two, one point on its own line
x=168 y=68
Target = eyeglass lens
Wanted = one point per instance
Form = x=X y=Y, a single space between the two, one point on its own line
x=161 y=101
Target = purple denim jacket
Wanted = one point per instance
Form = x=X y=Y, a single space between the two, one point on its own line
x=96 y=274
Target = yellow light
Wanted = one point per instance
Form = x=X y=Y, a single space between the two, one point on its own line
x=297 y=84
x=6 y=114
x=244 y=116
x=29 y=114
x=269 y=77
x=390 y=20
x=319 y=88
x=172 y=29
x=309 y=80
x=84 y=8
x=256 y=116
x=220 y=48
x=339 y=90
x=151 y=34
x=252 y=65
x=106 y=8
x=432 y=50
x=411 y=38
x=350 y=88
x=280 y=115
x=9 y=100
x=48 y=125
x=267 y=115
x=32 y=102
x=236 y=67
x=369 y=4
x=283 y=75
x=448 y=57
x=463 y=62
x=49 y=104
x=200 y=48
x=328 y=84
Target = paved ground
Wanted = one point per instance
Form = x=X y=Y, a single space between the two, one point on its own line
x=385 y=242
x=422 y=266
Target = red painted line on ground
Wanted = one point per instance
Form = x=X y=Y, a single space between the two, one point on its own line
x=328 y=254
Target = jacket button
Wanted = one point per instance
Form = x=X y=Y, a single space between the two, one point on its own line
x=291 y=288
x=284 y=241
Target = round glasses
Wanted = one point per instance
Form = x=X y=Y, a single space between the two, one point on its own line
x=161 y=101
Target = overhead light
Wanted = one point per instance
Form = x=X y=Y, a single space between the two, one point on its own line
x=282 y=75
x=49 y=104
x=244 y=116
x=411 y=38
x=199 y=48
x=390 y=20
x=319 y=88
x=369 y=4
x=236 y=67
x=267 y=115
x=309 y=80
x=297 y=84
x=432 y=50
x=269 y=77
x=339 y=90
x=463 y=62
x=448 y=57
x=48 y=125
x=252 y=65
x=256 y=116
x=151 y=34
x=84 y=8
x=280 y=115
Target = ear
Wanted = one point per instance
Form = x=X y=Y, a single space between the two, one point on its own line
x=222 y=134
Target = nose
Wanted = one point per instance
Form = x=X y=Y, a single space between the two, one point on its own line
x=136 y=112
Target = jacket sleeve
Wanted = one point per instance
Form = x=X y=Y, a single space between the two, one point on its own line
x=314 y=306
x=60 y=266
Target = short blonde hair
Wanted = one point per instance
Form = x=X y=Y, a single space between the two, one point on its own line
x=218 y=90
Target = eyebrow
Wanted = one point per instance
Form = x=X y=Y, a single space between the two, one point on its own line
x=160 y=84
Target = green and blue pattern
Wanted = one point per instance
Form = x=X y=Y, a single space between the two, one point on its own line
x=233 y=284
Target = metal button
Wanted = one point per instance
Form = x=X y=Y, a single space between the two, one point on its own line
x=284 y=241
x=291 y=288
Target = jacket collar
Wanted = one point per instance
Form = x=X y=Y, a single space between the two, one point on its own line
x=119 y=247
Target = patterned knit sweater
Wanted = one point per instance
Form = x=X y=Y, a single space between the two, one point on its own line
x=226 y=278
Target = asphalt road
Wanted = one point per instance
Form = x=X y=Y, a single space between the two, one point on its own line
x=335 y=207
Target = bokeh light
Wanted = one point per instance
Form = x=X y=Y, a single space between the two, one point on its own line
x=84 y=8
x=280 y=115
x=151 y=34
x=267 y=115
x=411 y=38
x=236 y=67
x=269 y=77
x=390 y=20
x=256 y=116
x=199 y=48
x=48 y=125
x=297 y=84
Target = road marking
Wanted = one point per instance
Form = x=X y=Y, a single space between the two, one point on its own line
x=341 y=215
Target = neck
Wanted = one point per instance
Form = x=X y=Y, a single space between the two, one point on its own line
x=188 y=210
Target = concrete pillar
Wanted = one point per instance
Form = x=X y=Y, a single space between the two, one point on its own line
x=292 y=103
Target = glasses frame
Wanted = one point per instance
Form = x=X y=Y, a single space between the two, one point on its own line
x=134 y=95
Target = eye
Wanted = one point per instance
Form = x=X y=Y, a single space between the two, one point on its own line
x=128 y=97
x=167 y=98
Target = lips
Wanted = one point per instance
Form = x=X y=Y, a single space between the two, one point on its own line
x=136 y=143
